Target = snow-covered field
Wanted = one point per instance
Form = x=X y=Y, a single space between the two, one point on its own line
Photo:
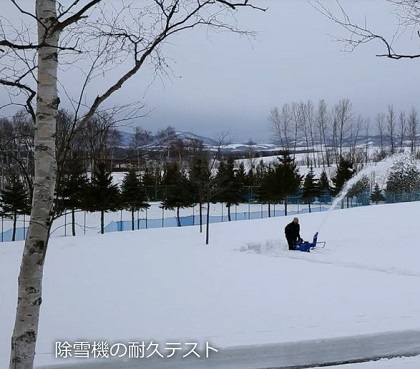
x=245 y=288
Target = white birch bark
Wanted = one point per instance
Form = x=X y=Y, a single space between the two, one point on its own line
x=31 y=270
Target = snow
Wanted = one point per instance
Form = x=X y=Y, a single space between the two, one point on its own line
x=244 y=288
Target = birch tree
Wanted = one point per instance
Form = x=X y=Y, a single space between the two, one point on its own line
x=343 y=118
x=109 y=34
x=413 y=125
x=403 y=129
x=391 y=121
x=380 y=125
x=323 y=122
x=281 y=125
x=366 y=128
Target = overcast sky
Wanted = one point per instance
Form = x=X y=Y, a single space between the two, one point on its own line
x=224 y=83
x=231 y=84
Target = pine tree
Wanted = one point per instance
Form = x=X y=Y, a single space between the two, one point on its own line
x=151 y=179
x=230 y=189
x=324 y=187
x=14 y=200
x=133 y=195
x=70 y=191
x=178 y=193
x=344 y=173
x=310 y=188
x=403 y=181
x=200 y=180
x=101 y=194
x=267 y=188
x=361 y=187
x=377 y=195
x=286 y=178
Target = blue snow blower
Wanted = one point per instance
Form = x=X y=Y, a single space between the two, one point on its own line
x=306 y=246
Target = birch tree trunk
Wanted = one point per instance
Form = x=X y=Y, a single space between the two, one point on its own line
x=30 y=278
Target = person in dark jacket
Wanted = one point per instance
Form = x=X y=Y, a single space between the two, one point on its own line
x=292 y=232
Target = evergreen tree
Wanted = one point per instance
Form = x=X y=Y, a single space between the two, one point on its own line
x=310 y=188
x=133 y=196
x=344 y=173
x=251 y=185
x=267 y=188
x=14 y=200
x=241 y=174
x=286 y=178
x=403 y=181
x=70 y=191
x=200 y=180
x=151 y=180
x=251 y=178
x=377 y=195
x=178 y=191
x=101 y=194
x=360 y=188
x=260 y=172
x=230 y=189
x=324 y=187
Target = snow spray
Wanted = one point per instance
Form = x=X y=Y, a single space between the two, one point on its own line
x=378 y=172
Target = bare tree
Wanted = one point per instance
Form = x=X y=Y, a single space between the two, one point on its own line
x=403 y=128
x=99 y=138
x=310 y=110
x=323 y=123
x=16 y=147
x=413 y=124
x=380 y=125
x=304 y=116
x=354 y=139
x=138 y=145
x=343 y=119
x=30 y=60
x=281 y=125
x=296 y=119
x=407 y=13
x=366 y=128
x=391 y=127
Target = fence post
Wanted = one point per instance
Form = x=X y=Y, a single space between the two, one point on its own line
x=24 y=223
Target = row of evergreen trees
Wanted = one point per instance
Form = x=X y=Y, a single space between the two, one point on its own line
x=174 y=187
x=201 y=184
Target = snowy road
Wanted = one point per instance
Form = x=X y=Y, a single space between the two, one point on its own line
x=305 y=354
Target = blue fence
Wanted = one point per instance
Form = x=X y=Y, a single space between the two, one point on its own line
x=6 y=236
x=171 y=221
x=126 y=225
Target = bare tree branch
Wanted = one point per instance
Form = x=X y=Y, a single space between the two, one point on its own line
x=361 y=34
x=77 y=16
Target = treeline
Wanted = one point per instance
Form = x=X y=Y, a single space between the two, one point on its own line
x=182 y=174
x=327 y=134
x=205 y=181
x=208 y=181
x=96 y=140
x=84 y=145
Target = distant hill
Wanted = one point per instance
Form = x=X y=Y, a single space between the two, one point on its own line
x=209 y=143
